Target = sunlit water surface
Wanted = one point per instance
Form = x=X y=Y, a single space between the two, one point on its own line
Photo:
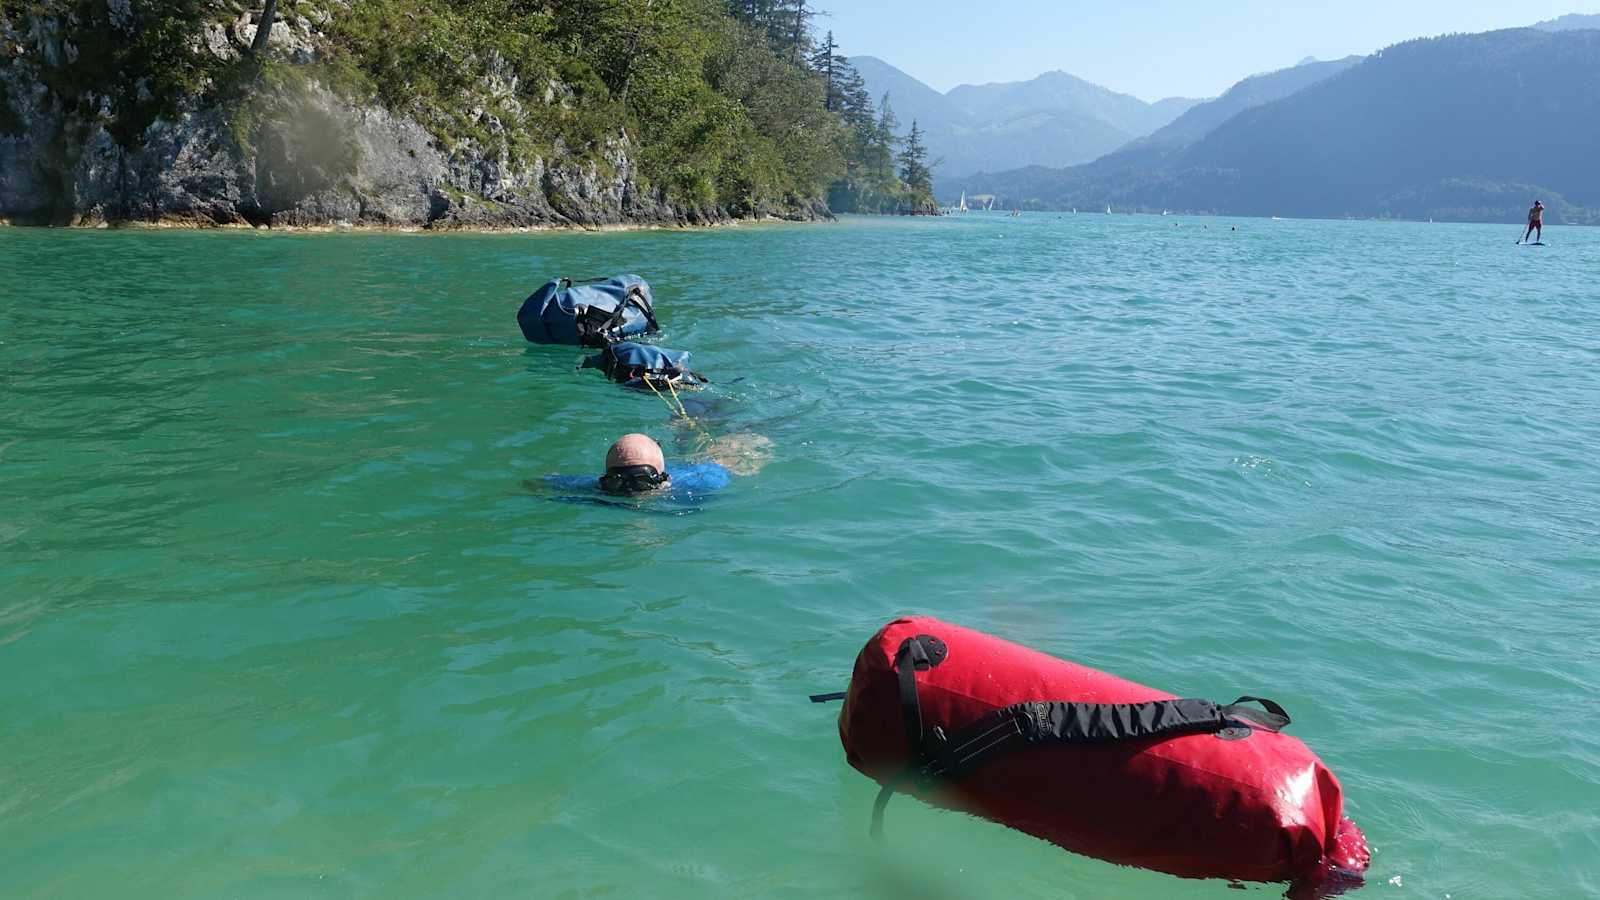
x=280 y=618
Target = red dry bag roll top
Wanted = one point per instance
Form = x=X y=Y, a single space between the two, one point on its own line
x=1093 y=763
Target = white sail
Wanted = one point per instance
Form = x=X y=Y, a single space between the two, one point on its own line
x=963 y=206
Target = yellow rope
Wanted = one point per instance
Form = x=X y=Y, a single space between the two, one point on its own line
x=680 y=410
x=652 y=386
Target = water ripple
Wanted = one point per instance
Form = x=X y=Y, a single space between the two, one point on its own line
x=270 y=570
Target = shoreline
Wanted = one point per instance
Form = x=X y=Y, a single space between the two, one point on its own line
x=369 y=228
x=629 y=227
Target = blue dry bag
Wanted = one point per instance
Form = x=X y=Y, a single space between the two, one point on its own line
x=631 y=365
x=592 y=313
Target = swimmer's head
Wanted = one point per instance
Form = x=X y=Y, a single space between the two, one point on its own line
x=635 y=464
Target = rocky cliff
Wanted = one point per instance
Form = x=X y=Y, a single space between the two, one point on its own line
x=283 y=149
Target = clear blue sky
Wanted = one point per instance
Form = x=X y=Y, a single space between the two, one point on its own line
x=1148 y=48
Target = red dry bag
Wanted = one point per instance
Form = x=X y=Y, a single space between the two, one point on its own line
x=1093 y=763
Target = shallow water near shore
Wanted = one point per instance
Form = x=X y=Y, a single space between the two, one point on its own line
x=280 y=618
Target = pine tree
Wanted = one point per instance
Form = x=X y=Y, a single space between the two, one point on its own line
x=785 y=22
x=752 y=12
x=869 y=144
x=825 y=62
x=884 y=140
x=914 y=169
x=854 y=103
x=799 y=38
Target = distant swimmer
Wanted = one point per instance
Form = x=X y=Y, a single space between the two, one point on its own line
x=637 y=470
x=1535 y=223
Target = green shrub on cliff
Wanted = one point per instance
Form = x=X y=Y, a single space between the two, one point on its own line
x=130 y=64
x=714 y=113
x=715 y=99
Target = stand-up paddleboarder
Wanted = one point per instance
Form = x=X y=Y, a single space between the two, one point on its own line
x=1535 y=223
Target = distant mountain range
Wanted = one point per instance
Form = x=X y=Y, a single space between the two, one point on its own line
x=1055 y=119
x=1204 y=118
x=1570 y=23
x=1058 y=91
x=1464 y=127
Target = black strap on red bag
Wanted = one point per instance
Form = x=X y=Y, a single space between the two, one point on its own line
x=937 y=755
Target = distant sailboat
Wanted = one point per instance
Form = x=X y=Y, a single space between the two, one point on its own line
x=963 y=206
x=1108 y=210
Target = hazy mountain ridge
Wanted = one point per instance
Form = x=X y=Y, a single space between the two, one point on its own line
x=910 y=98
x=1033 y=138
x=1256 y=90
x=1057 y=91
x=1056 y=119
x=1200 y=120
x=1457 y=127
x=1569 y=22
x=1169 y=109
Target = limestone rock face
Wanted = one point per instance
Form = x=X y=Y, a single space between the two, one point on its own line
x=214 y=40
x=305 y=156
x=121 y=12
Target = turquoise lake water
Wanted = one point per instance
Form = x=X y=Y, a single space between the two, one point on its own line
x=279 y=616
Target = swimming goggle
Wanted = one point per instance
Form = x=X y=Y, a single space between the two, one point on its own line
x=632 y=479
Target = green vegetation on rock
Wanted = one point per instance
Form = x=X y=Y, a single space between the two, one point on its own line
x=718 y=107
x=127 y=63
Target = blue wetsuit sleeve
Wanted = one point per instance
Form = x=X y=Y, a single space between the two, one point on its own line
x=699 y=478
